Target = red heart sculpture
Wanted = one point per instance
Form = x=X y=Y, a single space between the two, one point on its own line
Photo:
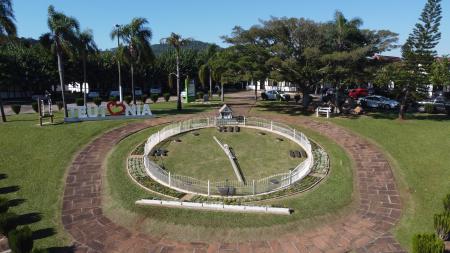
x=115 y=108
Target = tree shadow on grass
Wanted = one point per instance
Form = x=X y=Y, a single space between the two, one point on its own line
x=66 y=249
x=3 y=176
x=409 y=116
x=15 y=202
x=43 y=233
x=291 y=109
x=9 y=189
x=29 y=218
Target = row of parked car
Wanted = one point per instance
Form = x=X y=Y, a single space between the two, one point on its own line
x=367 y=98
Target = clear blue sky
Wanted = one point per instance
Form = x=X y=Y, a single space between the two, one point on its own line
x=207 y=20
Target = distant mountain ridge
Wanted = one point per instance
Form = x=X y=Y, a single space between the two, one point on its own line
x=194 y=45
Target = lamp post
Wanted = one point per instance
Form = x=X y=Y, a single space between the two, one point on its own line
x=118 y=63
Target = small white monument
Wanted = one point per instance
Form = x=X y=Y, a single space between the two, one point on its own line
x=225 y=112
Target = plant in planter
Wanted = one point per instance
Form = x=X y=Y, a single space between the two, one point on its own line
x=166 y=96
x=79 y=101
x=427 y=243
x=200 y=94
x=297 y=98
x=21 y=240
x=442 y=225
x=154 y=98
x=7 y=222
x=97 y=101
x=446 y=202
x=4 y=205
x=127 y=99
x=144 y=98
x=113 y=99
x=34 y=105
x=16 y=108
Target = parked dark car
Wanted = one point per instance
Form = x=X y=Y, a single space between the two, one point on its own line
x=440 y=104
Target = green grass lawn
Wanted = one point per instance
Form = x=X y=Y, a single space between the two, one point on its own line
x=35 y=159
x=324 y=203
x=419 y=148
x=202 y=158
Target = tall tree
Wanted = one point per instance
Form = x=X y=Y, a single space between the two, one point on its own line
x=205 y=70
x=63 y=32
x=7 y=28
x=86 y=45
x=440 y=72
x=419 y=52
x=176 y=41
x=137 y=36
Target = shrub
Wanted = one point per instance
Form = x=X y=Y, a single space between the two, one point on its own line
x=128 y=99
x=446 y=202
x=38 y=250
x=429 y=108
x=21 y=240
x=154 y=97
x=427 y=243
x=287 y=98
x=97 y=101
x=144 y=98
x=264 y=96
x=200 y=94
x=7 y=222
x=16 y=108
x=166 y=96
x=442 y=225
x=4 y=205
x=79 y=101
x=34 y=105
x=297 y=98
x=60 y=105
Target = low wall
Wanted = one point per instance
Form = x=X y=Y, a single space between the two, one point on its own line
x=214 y=206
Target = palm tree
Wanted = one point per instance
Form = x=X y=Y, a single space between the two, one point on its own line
x=63 y=31
x=345 y=28
x=177 y=42
x=138 y=49
x=210 y=52
x=86 y=45
x=7 y=28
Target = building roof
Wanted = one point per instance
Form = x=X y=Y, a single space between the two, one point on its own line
x=225 y=108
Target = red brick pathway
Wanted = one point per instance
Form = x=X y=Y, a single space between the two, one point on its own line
x=364 y=230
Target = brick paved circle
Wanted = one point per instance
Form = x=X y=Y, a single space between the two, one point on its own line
x=366 y=229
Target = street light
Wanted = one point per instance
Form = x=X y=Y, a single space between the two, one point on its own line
x=118 y=63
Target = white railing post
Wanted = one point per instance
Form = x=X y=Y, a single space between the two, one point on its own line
x=170 y=181
x=290 y=177
x=254 y=188
x=209 y=189
x=294 y=133
x=271 y=125
x=179 y=127
x=244 y=121
x=159 y=136
x=207 y=121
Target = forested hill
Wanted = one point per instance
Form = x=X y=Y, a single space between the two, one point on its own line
x=195 y=45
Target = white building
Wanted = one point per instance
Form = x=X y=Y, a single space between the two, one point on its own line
x=270 y=84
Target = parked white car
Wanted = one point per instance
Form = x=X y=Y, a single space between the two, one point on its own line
x=376 y=101
x=274 y=95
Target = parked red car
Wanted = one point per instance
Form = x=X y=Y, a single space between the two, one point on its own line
x=358 y=92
